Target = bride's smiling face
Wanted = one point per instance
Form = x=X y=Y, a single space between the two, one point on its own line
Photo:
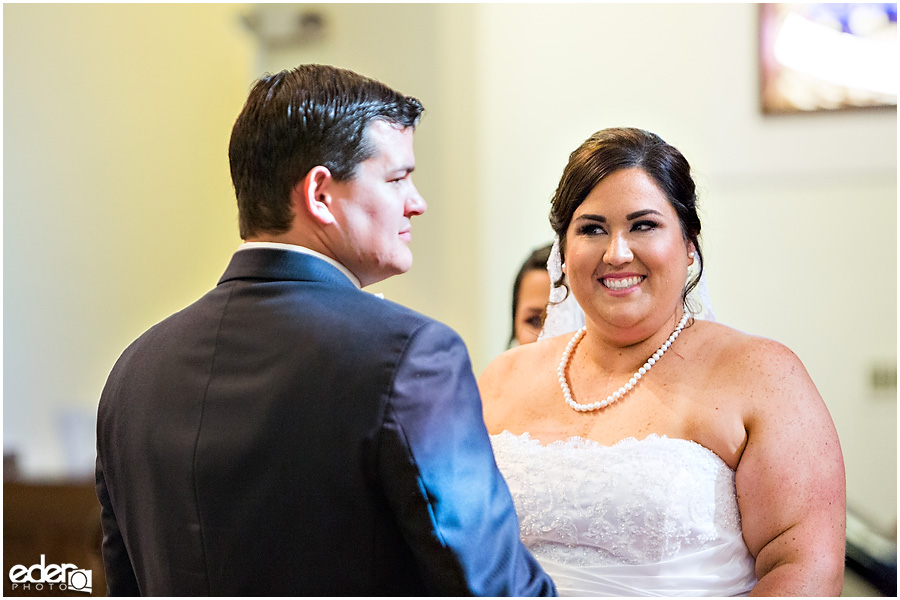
x=626 y=255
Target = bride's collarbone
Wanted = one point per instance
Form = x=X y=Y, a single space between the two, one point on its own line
x=665 y=409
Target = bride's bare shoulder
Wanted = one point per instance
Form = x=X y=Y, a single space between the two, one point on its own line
x=734 y=352
x=716 y=336
x=515 y=378
x=522 y=363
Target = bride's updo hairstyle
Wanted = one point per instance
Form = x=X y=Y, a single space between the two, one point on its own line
x=611 y=150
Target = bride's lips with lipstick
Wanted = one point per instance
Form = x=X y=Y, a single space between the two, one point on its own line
x=621 y=281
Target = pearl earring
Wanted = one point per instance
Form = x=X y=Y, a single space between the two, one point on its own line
x=691 y=255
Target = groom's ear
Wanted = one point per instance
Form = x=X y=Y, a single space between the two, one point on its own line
x=312 y=195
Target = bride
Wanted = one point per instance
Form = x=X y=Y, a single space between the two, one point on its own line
x=711 y=467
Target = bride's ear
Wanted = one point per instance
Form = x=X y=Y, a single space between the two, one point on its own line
x=312 y=195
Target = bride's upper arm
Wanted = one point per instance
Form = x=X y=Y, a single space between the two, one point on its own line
x=790 y=478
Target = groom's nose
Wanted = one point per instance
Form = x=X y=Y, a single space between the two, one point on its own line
x=415 y=203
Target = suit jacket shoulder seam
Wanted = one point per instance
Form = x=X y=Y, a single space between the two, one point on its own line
x=197 y=439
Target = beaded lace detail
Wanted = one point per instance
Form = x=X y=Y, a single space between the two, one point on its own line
x=637 y=502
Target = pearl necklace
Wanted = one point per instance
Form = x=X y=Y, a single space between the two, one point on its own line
x=564 y=362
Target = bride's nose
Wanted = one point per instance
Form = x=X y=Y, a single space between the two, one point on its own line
x=618 y=251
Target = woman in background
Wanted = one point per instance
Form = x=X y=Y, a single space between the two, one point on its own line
x=531 y=291
x=711 y=467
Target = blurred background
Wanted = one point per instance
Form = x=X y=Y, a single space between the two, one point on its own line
x=118 y=208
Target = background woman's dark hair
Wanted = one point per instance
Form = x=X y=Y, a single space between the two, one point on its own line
x=296 y=120
x=536 y=262
x=611 y=150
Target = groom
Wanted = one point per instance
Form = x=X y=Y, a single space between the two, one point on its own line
x=288 y=433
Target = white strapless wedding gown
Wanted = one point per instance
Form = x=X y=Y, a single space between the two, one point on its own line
x=652 y=517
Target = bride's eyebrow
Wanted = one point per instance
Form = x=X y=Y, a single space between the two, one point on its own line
x=630 y=216
x=599 y=218
x=640 y=213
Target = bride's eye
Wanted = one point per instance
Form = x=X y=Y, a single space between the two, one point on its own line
x=590 y=229
x=644 y=226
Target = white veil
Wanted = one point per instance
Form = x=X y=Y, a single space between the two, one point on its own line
x=564 y=315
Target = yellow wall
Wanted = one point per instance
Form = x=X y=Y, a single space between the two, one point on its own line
x=117 y=203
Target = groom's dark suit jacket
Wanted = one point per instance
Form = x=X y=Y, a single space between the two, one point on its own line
x=290 y=434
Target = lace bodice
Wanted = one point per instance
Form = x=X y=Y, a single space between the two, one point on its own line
x=657 y=501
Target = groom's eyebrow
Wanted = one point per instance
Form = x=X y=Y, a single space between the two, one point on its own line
x=402 y=165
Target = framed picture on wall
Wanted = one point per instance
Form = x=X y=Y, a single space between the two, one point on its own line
x=824 y=56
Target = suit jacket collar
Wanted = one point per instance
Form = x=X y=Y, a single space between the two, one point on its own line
x=282 y=265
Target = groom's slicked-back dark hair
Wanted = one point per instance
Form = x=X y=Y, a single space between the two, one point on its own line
x=298 y=119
